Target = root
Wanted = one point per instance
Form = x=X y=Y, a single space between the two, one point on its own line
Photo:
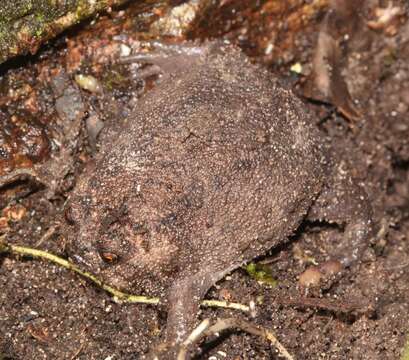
x=205 y=329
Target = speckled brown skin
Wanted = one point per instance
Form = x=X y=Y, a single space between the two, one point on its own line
x=218 y=165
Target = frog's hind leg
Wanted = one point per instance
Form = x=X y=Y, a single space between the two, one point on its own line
x=344 y=202
x=183 y=302
x=184 y=298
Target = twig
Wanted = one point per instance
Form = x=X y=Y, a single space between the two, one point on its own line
x=193 y=337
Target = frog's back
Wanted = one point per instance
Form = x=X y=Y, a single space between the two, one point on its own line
x=217 y=166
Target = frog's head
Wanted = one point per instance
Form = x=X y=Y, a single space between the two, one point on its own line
x=122 y=241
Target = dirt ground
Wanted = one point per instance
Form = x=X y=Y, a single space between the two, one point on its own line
x=49 y=125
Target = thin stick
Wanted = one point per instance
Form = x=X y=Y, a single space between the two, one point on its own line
x=225 y=304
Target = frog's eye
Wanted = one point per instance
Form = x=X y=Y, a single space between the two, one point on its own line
x=108 y=257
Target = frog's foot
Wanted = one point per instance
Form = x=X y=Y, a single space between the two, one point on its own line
x=163 y=351
x=46 y=175
x=343 y=202
x=30 y=176
x=165 y=59
x=19 y=175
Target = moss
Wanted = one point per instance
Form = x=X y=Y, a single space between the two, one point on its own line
x=114 y=79
x=24 y=24
x=12 y=10
x=261 y=273
x=4 y=248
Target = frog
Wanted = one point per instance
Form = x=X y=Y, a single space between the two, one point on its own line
x=216 y=166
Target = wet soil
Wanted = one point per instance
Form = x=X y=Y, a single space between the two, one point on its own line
x=47 y=312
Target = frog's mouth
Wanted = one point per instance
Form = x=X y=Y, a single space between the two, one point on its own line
x=98 y=260
x=88 y=258
x=138 y=270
